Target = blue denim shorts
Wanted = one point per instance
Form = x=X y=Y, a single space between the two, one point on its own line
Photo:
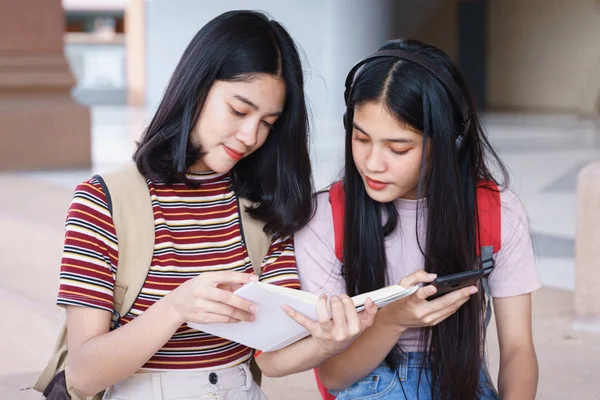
x=384 y=383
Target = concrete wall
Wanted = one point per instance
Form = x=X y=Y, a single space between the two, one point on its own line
x=331 y=34
x=544 y=55
x=440 y=27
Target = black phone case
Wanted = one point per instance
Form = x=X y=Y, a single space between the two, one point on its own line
x=450 y=283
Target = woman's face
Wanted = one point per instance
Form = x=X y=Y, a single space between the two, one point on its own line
x=236 y=119
x=386 y=153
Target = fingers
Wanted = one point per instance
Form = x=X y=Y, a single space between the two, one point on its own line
x=231 y=277
x=351 y=316
x=448 y=299
x=230 y=287
x=323 y=312
x=209 y=318
x=442 y=307
x=424 y=292
x=338 y=312
x=441 y=315
x=227 y=298
x=417 y=277
x=308 y=324
x=367 y=317
x=211 y=308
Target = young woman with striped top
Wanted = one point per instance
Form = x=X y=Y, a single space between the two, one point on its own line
x=232 y=122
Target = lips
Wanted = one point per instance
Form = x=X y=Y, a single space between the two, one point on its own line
x=376 y=185
x=236 y=155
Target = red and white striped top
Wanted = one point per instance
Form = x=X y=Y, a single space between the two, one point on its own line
x=197 y=230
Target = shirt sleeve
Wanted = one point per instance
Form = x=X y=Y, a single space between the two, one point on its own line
x=515 y=271
x=319 y=269
x=89 y=260
x=279 y=266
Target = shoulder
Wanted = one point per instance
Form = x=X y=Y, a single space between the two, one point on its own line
x=90 y=194
x=513 y=213
x=321 y=224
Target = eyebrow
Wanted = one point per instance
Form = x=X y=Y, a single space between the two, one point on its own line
x=400 y=140
x=254 y=106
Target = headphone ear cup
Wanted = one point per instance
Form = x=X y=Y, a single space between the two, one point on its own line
x=344 y=119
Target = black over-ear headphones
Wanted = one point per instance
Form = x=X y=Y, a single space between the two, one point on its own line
x=442 y=77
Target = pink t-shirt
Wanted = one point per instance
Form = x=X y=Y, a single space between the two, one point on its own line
x=320 y=271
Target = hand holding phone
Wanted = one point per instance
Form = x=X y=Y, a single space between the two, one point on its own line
x=449 y=283
x=415 y=311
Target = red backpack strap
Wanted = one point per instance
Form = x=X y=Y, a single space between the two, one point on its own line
x=337 y=200
x=489 y=211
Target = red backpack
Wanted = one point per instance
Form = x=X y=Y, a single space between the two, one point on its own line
x=490 y=220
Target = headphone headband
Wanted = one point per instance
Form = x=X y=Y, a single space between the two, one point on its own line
x=442 y=77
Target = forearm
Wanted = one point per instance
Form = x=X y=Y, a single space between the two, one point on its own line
x=298 y=357
x=114 y=356
x=361 y=358
x=518 y=377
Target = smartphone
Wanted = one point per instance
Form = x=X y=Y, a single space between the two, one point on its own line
x=449 y=283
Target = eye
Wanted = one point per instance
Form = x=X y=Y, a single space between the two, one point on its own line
x=399 y=152
x=361 y=139
x=236 y=112
x=268 y=125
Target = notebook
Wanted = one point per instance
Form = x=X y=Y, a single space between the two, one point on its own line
x=273 y=329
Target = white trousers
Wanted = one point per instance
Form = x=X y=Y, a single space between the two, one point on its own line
x=233 y=383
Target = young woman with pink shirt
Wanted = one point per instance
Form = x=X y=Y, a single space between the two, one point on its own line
x=416 y=154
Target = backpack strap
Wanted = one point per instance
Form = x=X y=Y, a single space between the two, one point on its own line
x=256 y=240
x=489 y=235
x=257 y=244
x=133 y=217
x=129 y=203
x=338 y=206
x=488 y=239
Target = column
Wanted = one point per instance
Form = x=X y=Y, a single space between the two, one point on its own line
x=41 y=127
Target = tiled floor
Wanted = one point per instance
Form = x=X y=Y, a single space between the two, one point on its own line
x=543 y=153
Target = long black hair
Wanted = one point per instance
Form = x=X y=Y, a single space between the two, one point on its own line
x=235 y=46
x=448 y=179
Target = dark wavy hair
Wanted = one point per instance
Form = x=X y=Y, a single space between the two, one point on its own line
x=235 y=46
x=448 y=178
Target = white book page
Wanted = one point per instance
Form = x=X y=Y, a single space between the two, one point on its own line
x=383 y=296
x=272 y=325
x=273 y=329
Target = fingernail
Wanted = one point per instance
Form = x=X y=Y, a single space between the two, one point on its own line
x=253 y=308
x=253 y=278
x=252 y=318
x=473 y=290
x=431 y=290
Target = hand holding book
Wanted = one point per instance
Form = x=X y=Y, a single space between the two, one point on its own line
x=337 y=325
x=273 y=329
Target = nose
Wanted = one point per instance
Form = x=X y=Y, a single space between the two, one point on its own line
x=374 y=161
x=248 y=134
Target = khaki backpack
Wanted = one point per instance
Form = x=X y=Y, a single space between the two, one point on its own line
x=131 y=208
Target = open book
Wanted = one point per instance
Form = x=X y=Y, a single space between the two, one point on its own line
x=273 y=329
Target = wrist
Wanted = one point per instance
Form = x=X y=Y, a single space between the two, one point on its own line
x=389 y=324
x=171 y=311
x=322 y=352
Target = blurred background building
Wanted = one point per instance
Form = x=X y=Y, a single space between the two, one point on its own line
x=534 y=55
x=79 y=80
x=95 y=47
